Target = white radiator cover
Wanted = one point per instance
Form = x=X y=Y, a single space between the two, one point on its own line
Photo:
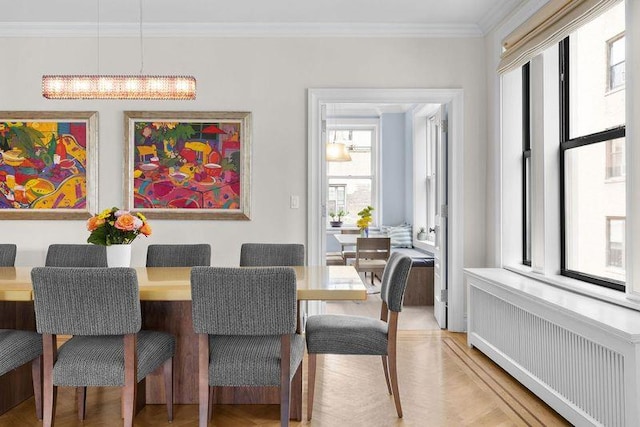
x=577 y=354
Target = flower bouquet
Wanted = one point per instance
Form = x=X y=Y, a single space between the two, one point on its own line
x=364 y=220
x=116 y=227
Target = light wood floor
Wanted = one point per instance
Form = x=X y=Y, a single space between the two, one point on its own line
x=442 y=383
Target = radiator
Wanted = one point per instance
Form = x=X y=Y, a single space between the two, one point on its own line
x=581 y=369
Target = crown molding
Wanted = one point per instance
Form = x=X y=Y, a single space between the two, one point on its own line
x=497 y=14
x=83 y=29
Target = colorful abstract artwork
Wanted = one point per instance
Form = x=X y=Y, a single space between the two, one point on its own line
x=188 y=165
x=47 y=165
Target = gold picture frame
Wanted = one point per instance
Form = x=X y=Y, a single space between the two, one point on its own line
x=188 y=165
x=48 y=165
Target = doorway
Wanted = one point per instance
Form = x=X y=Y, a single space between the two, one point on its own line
x=451 y=100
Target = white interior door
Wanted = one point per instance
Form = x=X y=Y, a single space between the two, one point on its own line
x=439 y=134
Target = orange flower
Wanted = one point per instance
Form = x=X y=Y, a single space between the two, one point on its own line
x=94 y=222
x=126 y=222
x=145 y=229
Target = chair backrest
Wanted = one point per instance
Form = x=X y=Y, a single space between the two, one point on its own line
x=373 y=248
x=179 y=255
x=243 y=301
x=86 y=301
x=394 y=280
x=59 y=255
x=271 y=254
x=7 y=254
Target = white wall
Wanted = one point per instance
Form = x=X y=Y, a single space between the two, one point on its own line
x=268 y=77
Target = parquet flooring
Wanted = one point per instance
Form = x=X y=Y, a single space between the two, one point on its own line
x=442 y=383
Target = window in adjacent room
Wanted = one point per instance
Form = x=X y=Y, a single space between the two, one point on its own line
x=352 y=185
x=430 y=220
x=336 y=200
x=592 y=145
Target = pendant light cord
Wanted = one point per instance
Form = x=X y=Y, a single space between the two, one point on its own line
x=141 y=39
x=98 y=36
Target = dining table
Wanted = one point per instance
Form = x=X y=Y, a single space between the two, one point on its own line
x=165 y=301
x=346 y=239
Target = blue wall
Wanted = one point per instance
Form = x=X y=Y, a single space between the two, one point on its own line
x=394 y=174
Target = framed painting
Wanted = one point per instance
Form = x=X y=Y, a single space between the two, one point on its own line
x=188 y=165
x=48 y=164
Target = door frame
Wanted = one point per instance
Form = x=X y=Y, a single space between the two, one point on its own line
x=316 y=227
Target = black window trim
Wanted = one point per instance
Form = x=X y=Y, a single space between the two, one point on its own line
x=526 y=154
x=566 y=143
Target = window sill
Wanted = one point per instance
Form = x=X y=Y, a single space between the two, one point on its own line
x=424 y=245
x=615 y=179
x=593 y=291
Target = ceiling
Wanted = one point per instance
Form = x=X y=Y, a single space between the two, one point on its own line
x=420 y=17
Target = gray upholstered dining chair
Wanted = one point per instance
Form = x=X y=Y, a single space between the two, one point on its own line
x=245 y=319
x=179 y=255
x=7 y=254
x=76 y=255
x=357 y=335
x=271 y=254
x=17 y=348
x=101 y=309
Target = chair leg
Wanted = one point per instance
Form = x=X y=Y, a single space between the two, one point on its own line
x=36 y=376
x=130 y=379
x=81 y=397
x=167 y=370
x=393 y=367
x=285 y=379
x=385 y=367
x=311 y=384
x=49 y=390
x=203 y=379
x=212 y=398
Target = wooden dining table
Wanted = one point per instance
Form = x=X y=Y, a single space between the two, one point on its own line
x=165 y=300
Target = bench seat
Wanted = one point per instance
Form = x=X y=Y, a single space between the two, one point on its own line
x=420 y=285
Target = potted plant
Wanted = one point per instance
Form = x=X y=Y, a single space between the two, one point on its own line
x=422 y=234
x=337 y=222
x=117 y=229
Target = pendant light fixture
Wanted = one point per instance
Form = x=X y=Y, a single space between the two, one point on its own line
x=337 y=151
x=98 y=86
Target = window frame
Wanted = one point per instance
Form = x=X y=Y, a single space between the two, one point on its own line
x=526 y=155
x=608 y=265
x=610 y=154
x=567 y=143
x=360 y=124
x=610 y=43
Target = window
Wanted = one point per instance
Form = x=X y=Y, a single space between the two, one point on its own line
x=615 y=243
x=336 y=200
x=526 y=166
x=616 y=60
x=352 y=185
x=430 y=220
x=592 y=138
x=615 y=159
